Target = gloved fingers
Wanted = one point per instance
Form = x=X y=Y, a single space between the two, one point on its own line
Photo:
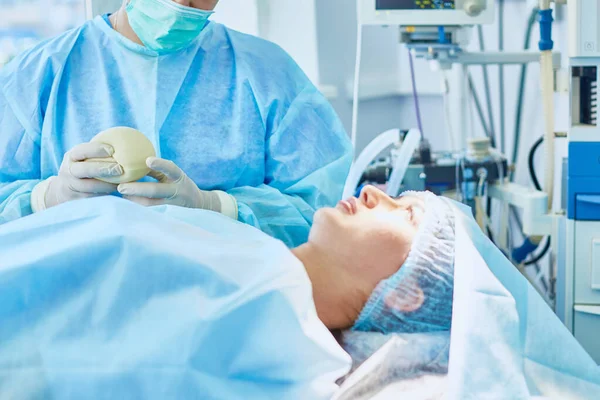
x=91 y=186
x=144 y=201
x=166 y=167
x=150 y=190
x=89 y=150
x=159 y=176
x=92 y=169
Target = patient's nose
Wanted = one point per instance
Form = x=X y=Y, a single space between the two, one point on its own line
x=369 y=196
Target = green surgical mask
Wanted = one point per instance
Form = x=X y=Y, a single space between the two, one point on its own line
x=165 y=26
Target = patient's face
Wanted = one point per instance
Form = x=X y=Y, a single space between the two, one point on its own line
x=371 y=235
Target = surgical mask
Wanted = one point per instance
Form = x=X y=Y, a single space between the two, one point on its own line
x=165 y=26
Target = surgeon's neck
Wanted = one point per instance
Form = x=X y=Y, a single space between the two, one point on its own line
x=338 y=297
x=120 y=23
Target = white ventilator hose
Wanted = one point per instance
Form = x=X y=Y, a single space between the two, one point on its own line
x=409 y=145
x=547 y=86
x=547 y=76
x=373 y=149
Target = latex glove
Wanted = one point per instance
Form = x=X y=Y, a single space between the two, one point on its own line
x=174 y=187
x=76 y=177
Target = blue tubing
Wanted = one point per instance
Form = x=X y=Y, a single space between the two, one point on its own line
x=546 y=19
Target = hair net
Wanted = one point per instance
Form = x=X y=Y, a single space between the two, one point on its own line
x=429 y=268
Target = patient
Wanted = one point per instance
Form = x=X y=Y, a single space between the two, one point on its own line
x=382 y=264
x=384 y=267
x=105 y=299
x=105 y=295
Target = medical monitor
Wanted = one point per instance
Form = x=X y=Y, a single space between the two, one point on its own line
x=425 y=12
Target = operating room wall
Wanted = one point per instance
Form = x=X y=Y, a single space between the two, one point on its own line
x=94 y=8
x=336 y=25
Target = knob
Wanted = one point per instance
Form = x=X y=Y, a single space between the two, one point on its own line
x=474 y=7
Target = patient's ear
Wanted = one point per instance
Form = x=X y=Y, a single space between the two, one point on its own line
x=416 y=300
x=406 y=302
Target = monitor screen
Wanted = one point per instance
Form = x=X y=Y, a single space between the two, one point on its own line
x=382 y=5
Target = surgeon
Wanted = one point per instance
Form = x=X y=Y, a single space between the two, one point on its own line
x=237 y=126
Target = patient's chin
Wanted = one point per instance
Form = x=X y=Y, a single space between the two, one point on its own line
x=325 y=222
x=327 y=214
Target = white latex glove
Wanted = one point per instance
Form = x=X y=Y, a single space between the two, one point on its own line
x=76 y=177
x=176 y=188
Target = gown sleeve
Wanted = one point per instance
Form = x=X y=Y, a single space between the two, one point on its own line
x=308 y=157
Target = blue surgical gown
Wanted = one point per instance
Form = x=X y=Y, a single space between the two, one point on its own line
x=234 y=111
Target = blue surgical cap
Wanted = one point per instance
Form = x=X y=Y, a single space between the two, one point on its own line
x=429 y=268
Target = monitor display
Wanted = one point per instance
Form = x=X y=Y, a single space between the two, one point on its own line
x=382 y=5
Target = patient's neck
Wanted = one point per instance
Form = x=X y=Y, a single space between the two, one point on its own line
x=339 y=298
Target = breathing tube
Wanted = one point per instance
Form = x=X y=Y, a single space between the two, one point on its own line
x=373 y=149
x=380 y=143
x=409 y=146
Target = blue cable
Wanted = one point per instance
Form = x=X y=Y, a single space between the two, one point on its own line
x=521 y=253
x=442 y=35
x=359 y=189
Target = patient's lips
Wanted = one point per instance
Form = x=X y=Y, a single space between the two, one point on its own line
x=352 y=201
x=344 y=206
x=349 y=206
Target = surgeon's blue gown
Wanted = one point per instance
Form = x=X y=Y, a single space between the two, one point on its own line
x=233 y=111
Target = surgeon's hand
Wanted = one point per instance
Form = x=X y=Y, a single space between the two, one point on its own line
x=174 y=187
x=76 y=178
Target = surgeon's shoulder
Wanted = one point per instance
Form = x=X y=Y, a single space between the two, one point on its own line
x=52 y=52
x=260 y=57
